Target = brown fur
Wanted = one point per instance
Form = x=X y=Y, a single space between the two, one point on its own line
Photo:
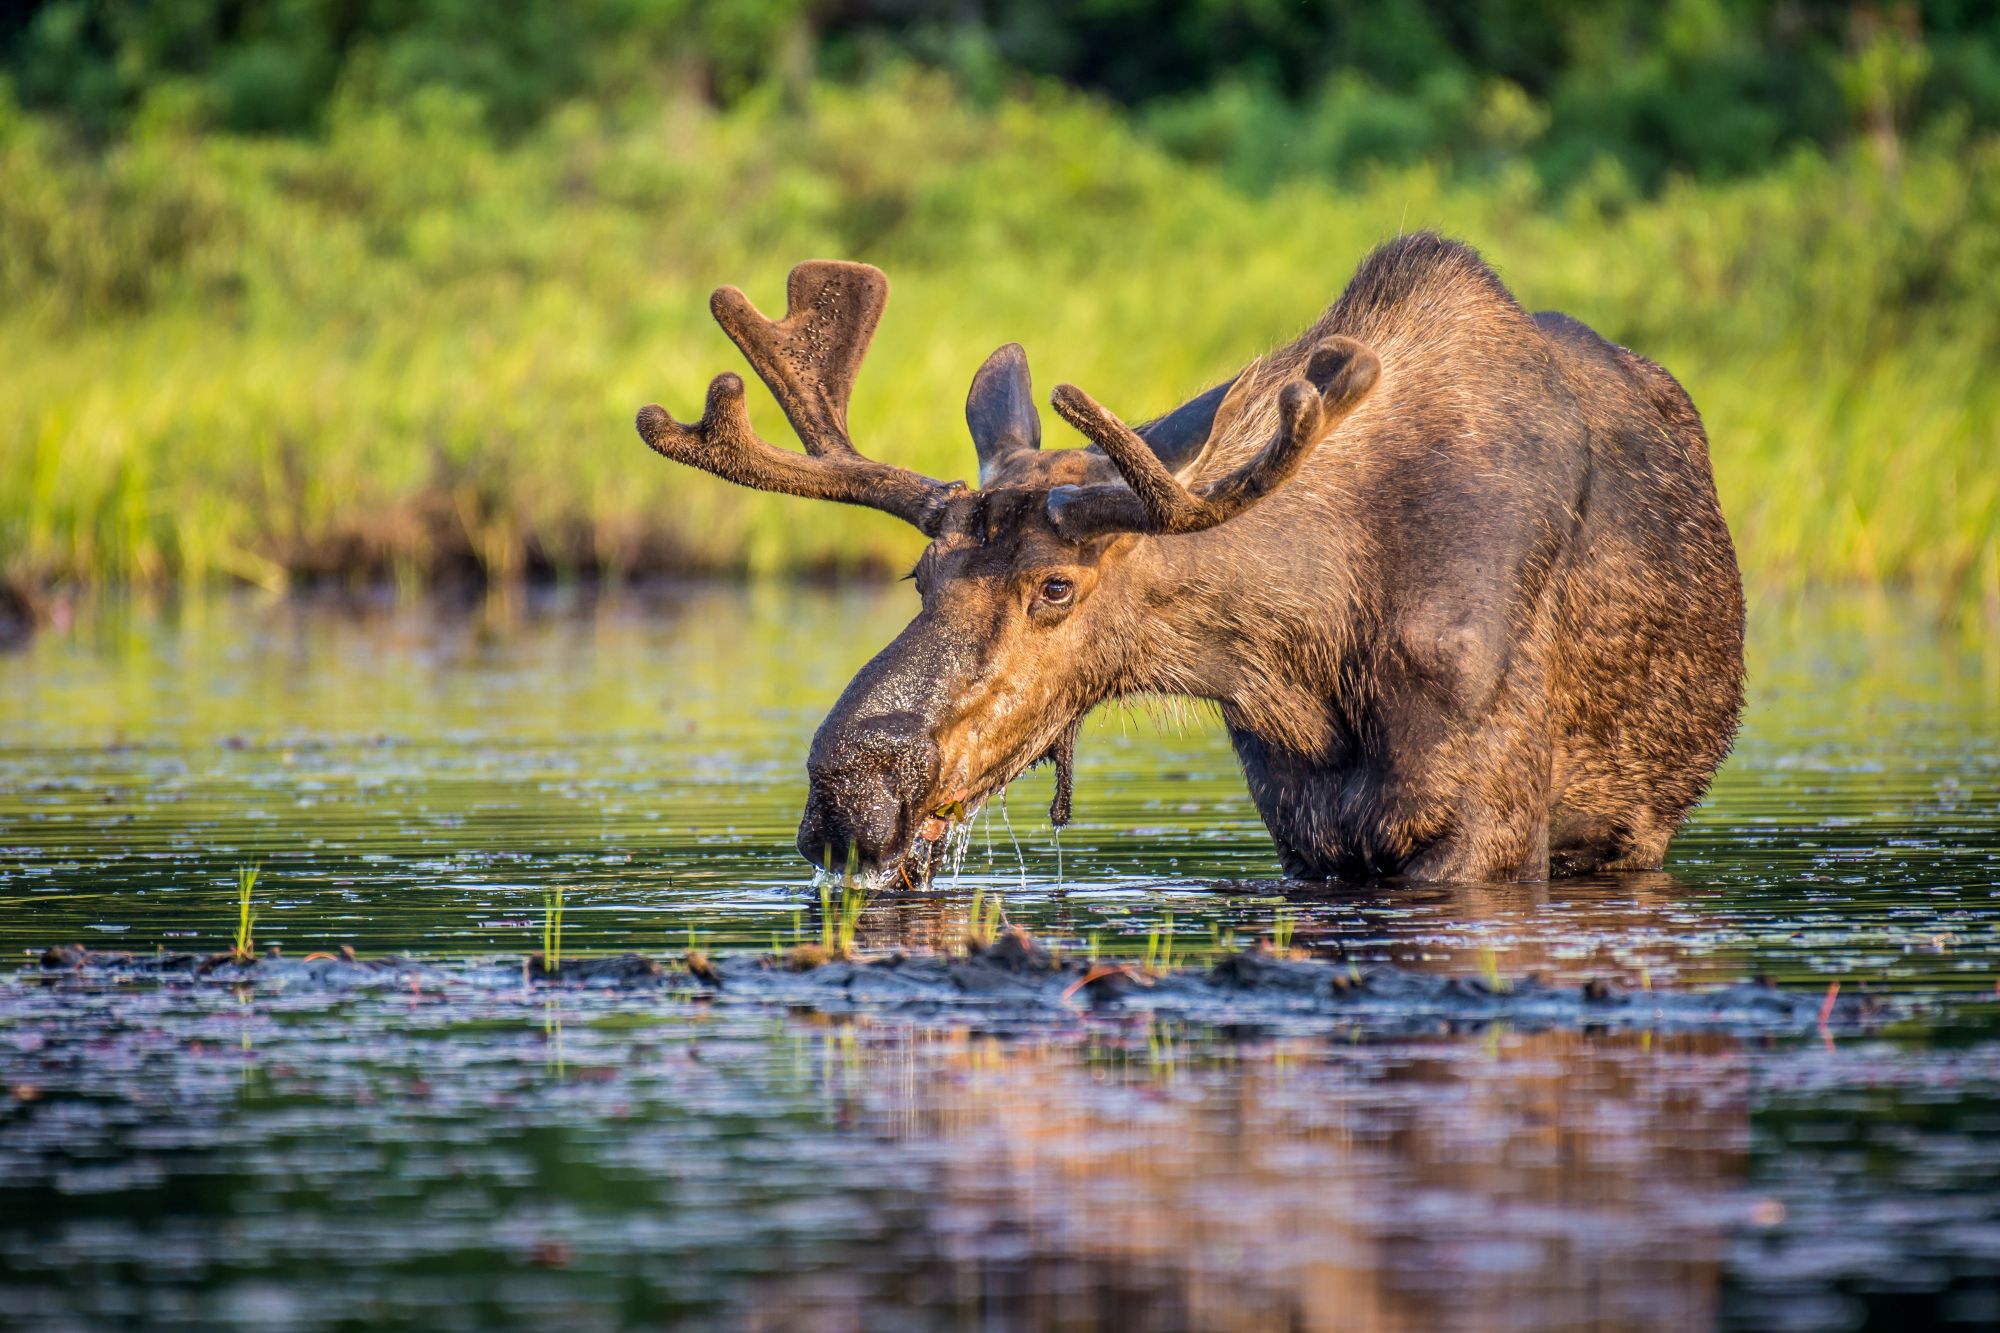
x=1490 y=628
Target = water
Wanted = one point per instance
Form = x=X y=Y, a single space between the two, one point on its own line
x=417 y=779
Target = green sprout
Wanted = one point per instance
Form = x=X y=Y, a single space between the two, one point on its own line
x=838 y=926
x=552 y=914
x=246 y=918
x=985 y=918
x=1281 y=932
x=1160 y=945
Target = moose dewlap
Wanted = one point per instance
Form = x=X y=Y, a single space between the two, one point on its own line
x=1455 y=574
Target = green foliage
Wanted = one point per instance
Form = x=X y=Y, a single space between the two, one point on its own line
x=1271 y=90
x=409 y=349
x=282 y=66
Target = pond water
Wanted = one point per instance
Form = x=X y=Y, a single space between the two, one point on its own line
x=418 y=779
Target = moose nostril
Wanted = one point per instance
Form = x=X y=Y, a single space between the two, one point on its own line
x=867 y=774
x=834 y=832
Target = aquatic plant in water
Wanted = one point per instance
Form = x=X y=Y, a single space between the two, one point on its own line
x=1160 y=945
x=837 y=926
x=552 y=914
x=246 y=918
x=1282 y=928
x=984 y=919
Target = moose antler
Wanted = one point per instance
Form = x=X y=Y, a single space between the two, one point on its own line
x=1338 y=375
x=809 y=360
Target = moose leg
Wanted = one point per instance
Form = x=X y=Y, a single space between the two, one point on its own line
x=1496 y=825
x=1503 y=845
x=1534 y=867
x=1310 y=809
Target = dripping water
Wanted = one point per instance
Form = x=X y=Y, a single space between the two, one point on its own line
x=1020 y=861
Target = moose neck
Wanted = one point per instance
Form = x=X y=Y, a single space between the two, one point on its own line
x=1224 y=615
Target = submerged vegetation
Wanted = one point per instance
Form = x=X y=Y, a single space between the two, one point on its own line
x=398 y=330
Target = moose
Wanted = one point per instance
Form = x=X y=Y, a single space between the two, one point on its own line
x=1455 y=575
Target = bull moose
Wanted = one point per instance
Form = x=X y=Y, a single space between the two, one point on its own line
x=1455 y=575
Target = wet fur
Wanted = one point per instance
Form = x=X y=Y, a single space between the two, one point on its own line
x=1504 y=637
x=1493 y=629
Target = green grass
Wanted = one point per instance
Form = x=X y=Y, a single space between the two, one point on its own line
x=1160 y=946
x=840 y=920
x=403 y=351
x=985 y=918
x=552 y=929
x=245 y=946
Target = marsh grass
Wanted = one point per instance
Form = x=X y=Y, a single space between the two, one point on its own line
x=984 y=919
x=840 y=920
x=245 y=946
x=552 y=929
x=1160 y=946
x=1283 y=926
x=403 y=351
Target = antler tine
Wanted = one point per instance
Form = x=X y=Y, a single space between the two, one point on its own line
x=1338 y=374
x=809 y=358
x=723 y=443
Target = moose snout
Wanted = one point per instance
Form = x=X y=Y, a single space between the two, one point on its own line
x=867 y=778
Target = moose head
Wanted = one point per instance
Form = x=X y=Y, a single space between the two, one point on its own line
x=1068 y=577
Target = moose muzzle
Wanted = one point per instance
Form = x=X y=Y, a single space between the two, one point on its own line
x=869 y=776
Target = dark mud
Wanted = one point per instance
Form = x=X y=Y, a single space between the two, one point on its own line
x=1016 y=977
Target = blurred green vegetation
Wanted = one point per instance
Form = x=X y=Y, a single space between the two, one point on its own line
x=391 y=316
x=1264 y=89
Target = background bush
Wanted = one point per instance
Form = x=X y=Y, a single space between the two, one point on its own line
x=372 y=289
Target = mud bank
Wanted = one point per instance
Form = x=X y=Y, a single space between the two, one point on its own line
x=1015 y=976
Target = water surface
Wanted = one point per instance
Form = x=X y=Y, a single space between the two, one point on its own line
x=418 y=778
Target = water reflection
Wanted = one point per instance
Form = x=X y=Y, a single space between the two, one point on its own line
x=866 y=1173
x=1570 y=1181
x=417 y=778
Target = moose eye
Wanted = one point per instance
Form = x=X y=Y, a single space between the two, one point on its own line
x=1057 y=590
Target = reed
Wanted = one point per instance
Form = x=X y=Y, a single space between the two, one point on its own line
x=552 y=929
x=840 y=921
x=245 y=946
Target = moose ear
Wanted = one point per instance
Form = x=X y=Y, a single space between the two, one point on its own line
x=1000 y=410
x=1182 y=437
x=1178 y=437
